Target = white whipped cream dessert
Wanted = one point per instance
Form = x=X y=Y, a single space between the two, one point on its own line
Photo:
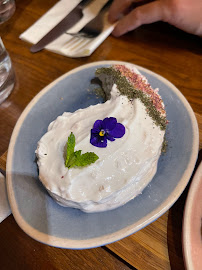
x=125 y=166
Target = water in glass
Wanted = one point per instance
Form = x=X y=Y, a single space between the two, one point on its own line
x=7 y=76
x=7 y=8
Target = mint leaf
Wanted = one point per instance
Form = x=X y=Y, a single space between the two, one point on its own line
x=70 y=148
x=77 y=153
x=76 y=159
x=73 y=159
x=85 y=159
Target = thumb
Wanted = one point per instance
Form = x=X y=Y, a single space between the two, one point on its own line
x=145 y=14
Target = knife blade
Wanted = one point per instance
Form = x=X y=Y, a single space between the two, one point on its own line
x=72 y=18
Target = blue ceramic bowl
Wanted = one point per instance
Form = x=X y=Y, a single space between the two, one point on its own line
x=43 y=219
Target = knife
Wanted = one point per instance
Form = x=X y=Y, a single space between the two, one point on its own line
x=72 y=18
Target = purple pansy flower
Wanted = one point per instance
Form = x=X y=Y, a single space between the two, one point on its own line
x=107 y=129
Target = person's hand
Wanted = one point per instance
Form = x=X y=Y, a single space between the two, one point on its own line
x=183 y=14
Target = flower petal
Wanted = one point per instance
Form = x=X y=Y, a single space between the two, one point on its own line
x=98 y=124
x=110 y=138
x=118 y=131
x=95 y=131
x=98 y=141
x=109 y=123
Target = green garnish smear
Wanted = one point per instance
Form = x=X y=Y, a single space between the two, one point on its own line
x=126 y=89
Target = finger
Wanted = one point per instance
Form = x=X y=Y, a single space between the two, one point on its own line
x=122 y=7
x=145 y=14
x=117 y=8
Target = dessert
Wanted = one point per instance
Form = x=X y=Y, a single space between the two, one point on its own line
x=125 y=133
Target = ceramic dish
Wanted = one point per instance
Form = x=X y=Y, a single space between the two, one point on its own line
x=43 y=219
x=192 y=224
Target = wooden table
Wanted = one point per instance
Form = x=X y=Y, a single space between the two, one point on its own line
x=159 y=47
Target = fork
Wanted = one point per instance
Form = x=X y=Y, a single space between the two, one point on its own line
x=82 y=46
x=95 y=26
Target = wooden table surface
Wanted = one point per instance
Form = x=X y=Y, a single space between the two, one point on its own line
x=159 y=47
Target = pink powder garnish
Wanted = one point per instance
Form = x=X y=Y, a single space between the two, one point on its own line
x=139 y=83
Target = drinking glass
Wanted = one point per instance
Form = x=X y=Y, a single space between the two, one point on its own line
x=7 y=75
x=7 y=8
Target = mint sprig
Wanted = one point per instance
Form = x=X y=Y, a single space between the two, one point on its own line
x=70 y=148
x=76 y=159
